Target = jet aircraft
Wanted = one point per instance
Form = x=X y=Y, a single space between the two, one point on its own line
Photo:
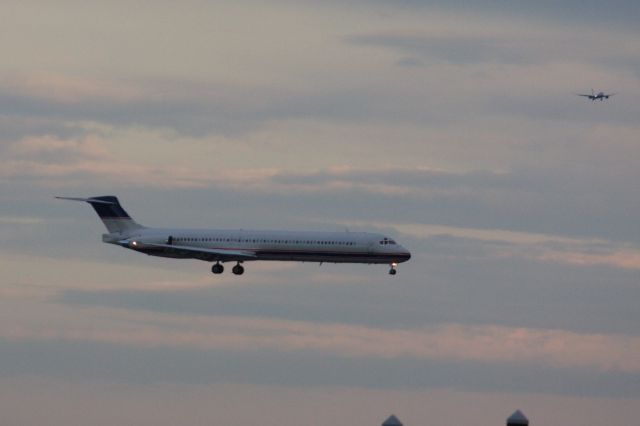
x=600 y=96
x=241 y=246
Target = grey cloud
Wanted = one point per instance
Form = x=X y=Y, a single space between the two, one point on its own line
x=416 y=178
x=410 y=61
x=197 y=111
x=614 y=14
x=424 y=49
x=16 y=127
x=450 y=281
x=84 y=360
x=68 y=152
x=205 y=110
x=190 y=117
x=553 y=202
x=458 y=50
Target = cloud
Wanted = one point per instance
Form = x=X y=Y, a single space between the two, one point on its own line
x=48 y=160
x=20 y=220
x=502 y=243
x=507 y=45
x=573 y=12
x=449 y=342
x=51 y=150
x=66 y=89
x=13 y=128
x=534 y=202
x=459 y=50
x=30 y=400
x=188 y=108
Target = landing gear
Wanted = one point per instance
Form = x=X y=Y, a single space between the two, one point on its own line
x=393 y=270
x=217 y=268
x=238 y=269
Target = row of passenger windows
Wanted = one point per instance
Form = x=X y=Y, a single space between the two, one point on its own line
x=247 y=240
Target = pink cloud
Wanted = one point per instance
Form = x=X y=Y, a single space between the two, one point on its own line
x=38 y=147
x=618 y=258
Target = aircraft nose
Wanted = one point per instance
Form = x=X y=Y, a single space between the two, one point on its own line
x=405 y=255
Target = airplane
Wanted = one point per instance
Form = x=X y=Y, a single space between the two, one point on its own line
x=241 y=246
x=600 y=96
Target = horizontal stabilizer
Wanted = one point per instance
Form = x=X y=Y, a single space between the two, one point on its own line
x=88 y=200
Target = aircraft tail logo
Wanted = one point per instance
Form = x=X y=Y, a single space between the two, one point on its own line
x=114 y=217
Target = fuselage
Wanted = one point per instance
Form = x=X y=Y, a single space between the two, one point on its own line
x=305 y=246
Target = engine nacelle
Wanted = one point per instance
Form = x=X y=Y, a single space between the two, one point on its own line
x=132 y=243
x=145 y=242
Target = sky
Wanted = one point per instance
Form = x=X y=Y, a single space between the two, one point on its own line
x=452 y=126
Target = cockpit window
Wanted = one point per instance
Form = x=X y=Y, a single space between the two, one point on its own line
x=386 y=241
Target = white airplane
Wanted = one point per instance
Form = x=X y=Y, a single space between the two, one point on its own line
x=240 y=246
x=600 y=96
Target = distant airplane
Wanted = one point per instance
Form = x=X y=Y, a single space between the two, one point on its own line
x=600 y=96
x=242 y=246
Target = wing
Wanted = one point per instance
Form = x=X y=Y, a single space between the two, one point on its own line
x=586 y=96
x=610 y=94
x=223 y=255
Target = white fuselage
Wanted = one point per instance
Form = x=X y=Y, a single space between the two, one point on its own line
x=305 y=246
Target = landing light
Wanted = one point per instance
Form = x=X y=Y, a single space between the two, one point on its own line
x=134 y=243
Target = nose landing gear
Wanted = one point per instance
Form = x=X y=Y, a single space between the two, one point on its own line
x=393 y=270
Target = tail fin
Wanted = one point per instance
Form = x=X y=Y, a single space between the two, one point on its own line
x=112 y=214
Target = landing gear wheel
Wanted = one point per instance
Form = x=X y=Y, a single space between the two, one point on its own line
x=217 y=268
x=238 y=269
x=393 y=271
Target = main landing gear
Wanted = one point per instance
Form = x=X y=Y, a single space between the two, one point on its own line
x=238 y=269
x=393 y=270
x=217 y=268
